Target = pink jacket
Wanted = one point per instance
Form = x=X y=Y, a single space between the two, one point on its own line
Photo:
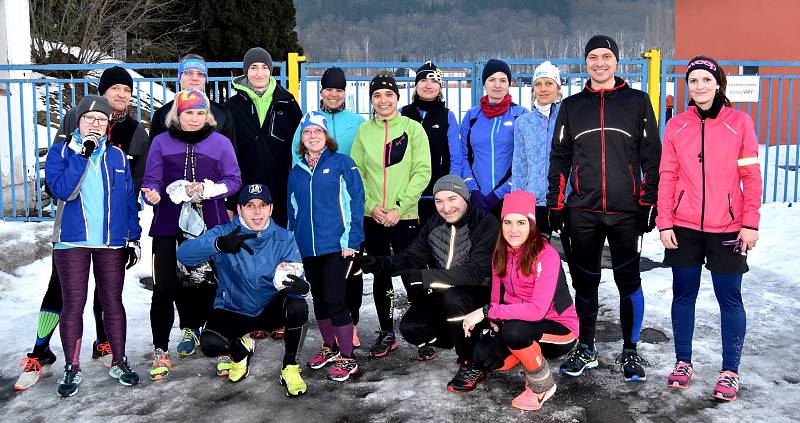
x=533 y=298
x=710 y=173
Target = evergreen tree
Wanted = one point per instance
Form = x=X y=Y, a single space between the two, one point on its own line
x=234 y=26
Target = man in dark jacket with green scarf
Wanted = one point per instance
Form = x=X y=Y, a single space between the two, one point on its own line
x=266 y=116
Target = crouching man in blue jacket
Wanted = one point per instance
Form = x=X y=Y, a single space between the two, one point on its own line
x=258 y=267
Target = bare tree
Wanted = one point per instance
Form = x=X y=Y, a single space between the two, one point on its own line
x=86 y=31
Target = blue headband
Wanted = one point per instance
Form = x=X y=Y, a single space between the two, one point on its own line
x=192 y=64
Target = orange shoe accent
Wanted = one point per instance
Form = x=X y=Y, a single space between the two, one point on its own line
x=509 y=363
x=531 y=357
x=549 y=338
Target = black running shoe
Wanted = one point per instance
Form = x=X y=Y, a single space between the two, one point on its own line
x=631 y=363
x=466 y=379
x=384 y=344
x=580 y=359
x=68 y=384
x=426 y=353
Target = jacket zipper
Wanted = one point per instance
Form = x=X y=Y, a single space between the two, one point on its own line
x=452 y=246
x=730 y=208
x=603 y=143
x=385 y=138
x=511 y=273
x=680 y=197
x=577 y=179
x=311 y=208
x=703 y=168
x=633 y=180
x=108 y=201
x=491 y=134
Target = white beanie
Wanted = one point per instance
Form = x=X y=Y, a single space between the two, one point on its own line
x=547 y=70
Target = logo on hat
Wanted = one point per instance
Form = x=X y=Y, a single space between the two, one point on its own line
x=254 y=189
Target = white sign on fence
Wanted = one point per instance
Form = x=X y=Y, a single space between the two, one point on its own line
x=743 y=88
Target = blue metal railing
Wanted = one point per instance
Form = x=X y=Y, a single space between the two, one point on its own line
x=776 y=125
x=462 y=81
x=34 y=106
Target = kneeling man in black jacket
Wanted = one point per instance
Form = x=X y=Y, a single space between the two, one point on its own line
x=447 y=272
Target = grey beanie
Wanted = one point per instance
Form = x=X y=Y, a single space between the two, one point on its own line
x=256 y=55
x=452 y=183
x=93 y=103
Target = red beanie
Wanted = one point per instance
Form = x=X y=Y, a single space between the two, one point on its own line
x=521 y=202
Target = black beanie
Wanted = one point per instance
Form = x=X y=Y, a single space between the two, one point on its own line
x=493 y=66
x=601 y=41
x=113 y=76
x=700 y=62
x=428 y=71
x=381 y=82
x=334 y=78
x=256 y=55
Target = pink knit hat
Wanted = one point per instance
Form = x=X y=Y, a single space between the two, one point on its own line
x=521 y=202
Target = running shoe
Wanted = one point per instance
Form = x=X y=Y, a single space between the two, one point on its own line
x=384 y=344
x=32 y=369
x=291 y=380
x=122 y=371
x=343 y=368
x=102 y=351
x=189 y=343
x=632 y=367
x=727 y=386
x=161 y=364
x=325 y=355
x=466 y=379
x=240 y=369
x=224 y=364
x=68 y=384
x=426 y=353
x=681 y=375
x=580 y=359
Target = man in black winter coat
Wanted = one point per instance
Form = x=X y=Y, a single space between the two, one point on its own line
x=447 y=271
x=266 y=116
x=606 y=146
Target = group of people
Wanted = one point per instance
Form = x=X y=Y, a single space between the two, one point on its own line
x=257 y=205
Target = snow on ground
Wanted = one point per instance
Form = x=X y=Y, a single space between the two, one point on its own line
x=398 y=388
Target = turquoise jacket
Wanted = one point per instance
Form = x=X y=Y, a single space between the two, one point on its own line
x=342 y=127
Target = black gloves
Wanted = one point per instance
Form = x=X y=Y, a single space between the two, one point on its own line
x=555 y=220
x=368 y=264
x=646 y=218
x=296 y=285
x=89 y=144
x=233 y=242
x=133 y=252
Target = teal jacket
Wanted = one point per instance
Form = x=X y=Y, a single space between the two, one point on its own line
x=342 y=127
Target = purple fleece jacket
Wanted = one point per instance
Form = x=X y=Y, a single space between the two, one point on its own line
x=214 y=159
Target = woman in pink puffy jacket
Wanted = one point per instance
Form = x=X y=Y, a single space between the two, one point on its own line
x=709 y=196
x=531 y=314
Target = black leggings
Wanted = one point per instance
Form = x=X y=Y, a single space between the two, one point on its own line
x=54 y=303
x=326 y=274
x=193 y=302
x=587 y=233
x=221 y=333
x=554 y=340
x=382 y=241
x=426 y=322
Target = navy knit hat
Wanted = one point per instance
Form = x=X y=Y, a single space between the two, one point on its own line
x=113 y=76
x=334 y=78
x=383 y=82
x=493 y=66
x=601 y=41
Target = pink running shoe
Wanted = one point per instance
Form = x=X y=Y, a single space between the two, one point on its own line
x=727 y=386
x=681 y=375
x=325 y=355
x=343 y=368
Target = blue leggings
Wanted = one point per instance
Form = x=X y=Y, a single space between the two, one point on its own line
x=728 y=290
